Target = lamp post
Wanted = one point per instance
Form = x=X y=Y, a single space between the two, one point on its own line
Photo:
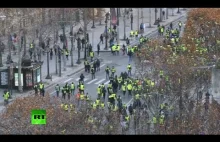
x=131 y=19
x=72 y=44
x=64 y=40
x=117 y=25
x=59 y=51
x=48 y=63
x=1 y=65
x=161 y=17
x=79 y=48
x=150 y=18
x=178 y=11
x=167 y=13
x=124 y=20
x=172 y=12
x=106 y=32
x=142 y=16
x=156 y=22
x=93 y=18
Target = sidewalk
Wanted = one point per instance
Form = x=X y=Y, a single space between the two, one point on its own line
x=97 y=31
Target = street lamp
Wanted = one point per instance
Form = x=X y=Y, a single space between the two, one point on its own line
x=156 y=22
x=167 y=13
x=1 y=65
x=93 y=18
x=72 y=44
x=142 y=16
x=161 y=15
x=150 y=18
x=172 y=12
x=79 y=48
x=131 y=19
x=48 y=64
x=178 y=11
x=106 y=31
x=124 y=20
x=59 y=51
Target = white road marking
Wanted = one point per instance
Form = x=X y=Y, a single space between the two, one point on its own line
x=129 y=102
x=84 y=79
x=91 y=81
x=99 y=81
x=67 y=80
x=106 y=82
x=53 y=92
x=77 y=79
x=102 y=65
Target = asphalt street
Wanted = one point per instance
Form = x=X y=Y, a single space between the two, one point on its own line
x=119 y=62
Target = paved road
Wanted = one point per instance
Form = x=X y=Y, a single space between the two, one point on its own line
x=119 y=62
x=91 y=85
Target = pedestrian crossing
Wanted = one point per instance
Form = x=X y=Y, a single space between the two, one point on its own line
x=95 y=81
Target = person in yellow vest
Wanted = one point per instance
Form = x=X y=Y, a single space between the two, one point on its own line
x=127 y=119
x=41 y=86
x=82 y=88
x=161 y=120
x=91 y=54
x=99 y=89
x=129 y=87
x=137 y=96
x=136 y=33
x=97 y=101
x=102 y=105
x=123 y=88
x=67 y=54
x=131 y=34
x=82 y=96
x=6 y=97
x=129 y=69
x=66 y=107
x=114 y=49
x=72 y=88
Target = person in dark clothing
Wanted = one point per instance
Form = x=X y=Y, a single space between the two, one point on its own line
x=123 y=49
x=88 y=66
x=130 y=109
x=171 y=25
x=101 y=38
x=82 y=78
x=43 y=91
x=125 y=75
x=51 y=54
x=98 y=64
x=94 y=66
x=127 y=41
x=98 y=49
x=104 y=92
x=114 y=86
x=163 y=13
